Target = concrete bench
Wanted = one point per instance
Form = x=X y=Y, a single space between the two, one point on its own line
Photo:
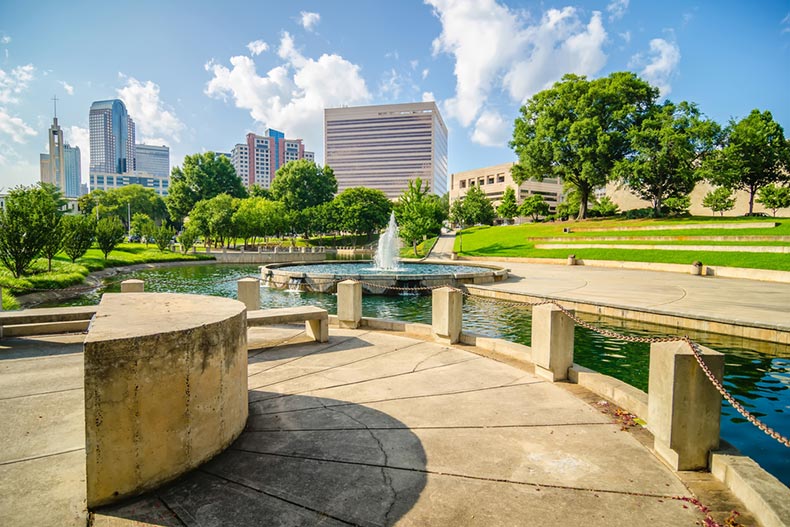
x=316 y=319
x=45 y=321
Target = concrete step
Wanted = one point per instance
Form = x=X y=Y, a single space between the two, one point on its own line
x=51 y=314
x=44 y=328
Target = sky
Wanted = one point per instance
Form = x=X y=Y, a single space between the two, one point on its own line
x=199 y=76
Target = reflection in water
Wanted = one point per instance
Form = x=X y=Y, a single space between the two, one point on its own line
x=756 y=372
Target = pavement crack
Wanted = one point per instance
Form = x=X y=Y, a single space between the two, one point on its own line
x=319 y=350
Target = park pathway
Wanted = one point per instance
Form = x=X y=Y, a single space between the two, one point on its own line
x=443 y=248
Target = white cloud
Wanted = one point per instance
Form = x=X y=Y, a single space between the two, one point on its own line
x=626 y=36
x=67 y=87
x=661 y=64
x=77 y=136
x=5 y=40
x=425 y=73
x=427 y=96
x=496 y=47
x=257 y=47
x=414 y=64
x=617 y=9
x=491 y=129
x=291 y=96
x=15 y=127
x=786 y=24
x=151 y=115
x=309 y=20
x=14 y=83
x=391 y=84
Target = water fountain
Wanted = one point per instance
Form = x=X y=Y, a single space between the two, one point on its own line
x=387 y=275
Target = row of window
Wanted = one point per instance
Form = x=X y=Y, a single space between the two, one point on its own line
x=488 y=180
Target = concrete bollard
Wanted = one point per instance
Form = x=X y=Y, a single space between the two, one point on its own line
x=249 y=293
x=552 y=342
x=447 y=304
x=349 y=303
x=683 y=407
x=132 y=286
x=571 y=259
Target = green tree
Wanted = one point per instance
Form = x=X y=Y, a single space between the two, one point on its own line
x=258 y=216
x=677 y=205
x=534 y=206
x=577 y=130
x=364 y=210
x=303 y=184
x=143 y=226
x=754 y=154
x=163 y=236
x=188 y=238
x=719 y=200
x=508 y=208
x=419 y=213
x=666 y=149
x=26 y=225
x=53 y=220
x=478 y=208
x=109 y=233
x=202 y=177
x=214 y=218
x=258 y=191
x=774 y=197
x=123 y=201
x=79 y=234
x=605 y=207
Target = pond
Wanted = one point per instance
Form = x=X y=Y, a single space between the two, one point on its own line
x=757 y=373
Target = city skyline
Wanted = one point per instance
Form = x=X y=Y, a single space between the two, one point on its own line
x=478 y=60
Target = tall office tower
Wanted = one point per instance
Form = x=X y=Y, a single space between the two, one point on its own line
x=257 y=160
x=61 y=166
x=153 y=160
x=384 y=146
x=112 y=135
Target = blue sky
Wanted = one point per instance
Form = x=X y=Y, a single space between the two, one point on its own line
x=200 y=75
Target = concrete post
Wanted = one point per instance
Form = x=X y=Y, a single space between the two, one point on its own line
x=552 y=342
x=249 y=293
x=132 y=286
x=349 y=303
x=446 y=313
x=683 y=407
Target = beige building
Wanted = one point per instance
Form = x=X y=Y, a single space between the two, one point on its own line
x=625 y=200
x=495 y=179
x=385 y=146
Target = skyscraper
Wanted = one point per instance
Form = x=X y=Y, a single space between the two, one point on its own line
x=384 y=146
x=61 y=166
x=112 y=136
x=153 y=159
x=257 y=160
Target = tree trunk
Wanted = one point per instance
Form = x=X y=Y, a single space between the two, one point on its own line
x=584 y=194
x=752 y=192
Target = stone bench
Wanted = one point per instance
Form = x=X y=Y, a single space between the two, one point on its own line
x=45 y=321
x=316 y=319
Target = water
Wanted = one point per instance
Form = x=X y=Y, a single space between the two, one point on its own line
x=365 y=268
x=756 y=372
x=386 y=257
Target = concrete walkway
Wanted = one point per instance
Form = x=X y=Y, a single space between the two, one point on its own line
x=383 y=429
x=728 y=300
x=443 y=248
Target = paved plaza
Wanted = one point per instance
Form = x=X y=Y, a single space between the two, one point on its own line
x=371 y=428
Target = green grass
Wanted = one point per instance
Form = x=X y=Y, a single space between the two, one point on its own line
x=64 y=273
x=512 y=241
x=422 y=249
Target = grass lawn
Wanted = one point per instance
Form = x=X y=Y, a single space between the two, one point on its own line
x=422 y=249
x=520 y=240
x=64 y=273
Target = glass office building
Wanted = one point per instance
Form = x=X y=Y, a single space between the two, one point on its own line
x=153 y=159
x=112 y=135
x=384 y=146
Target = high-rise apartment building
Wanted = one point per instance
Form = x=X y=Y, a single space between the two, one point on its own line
x=257 y=160
x=61 y=166
x=152 y=159
x=384 y=146
x=112 y=136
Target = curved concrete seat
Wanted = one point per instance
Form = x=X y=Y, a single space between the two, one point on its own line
x=165 y=388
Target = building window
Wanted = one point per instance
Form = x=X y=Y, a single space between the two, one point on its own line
x=490 y=180
x=463 y=184
x=500 y=178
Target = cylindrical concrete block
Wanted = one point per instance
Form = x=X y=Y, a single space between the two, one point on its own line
x=447 y=304
x=571 y=259
x=249 y=293
x=552 y=342
x=683 y=407
x=132 y=286
x=349 y=303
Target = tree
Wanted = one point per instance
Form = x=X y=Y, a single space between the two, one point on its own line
x=678 y=205
x=508 y=208
x=202 y=177
x=534 y=206
x=26 y=225
x=122 y=201
x=79 y=234
x=143 y=226
x=719 y=200
x=754 y=154
x=56 y=239
x=258 y=191
x=477 y=208
x=577 y=130
x=363 y=210
x=303 y=184
x=774 y=197
x=666 y=149
x=214 y=218
x=419 y=213
x=605 y=207
x=109 y=233
x=163 y=236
